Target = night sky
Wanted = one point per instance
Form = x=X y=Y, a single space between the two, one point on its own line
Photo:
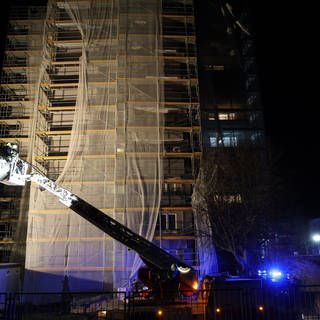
x=285 y=44
x=285 y=39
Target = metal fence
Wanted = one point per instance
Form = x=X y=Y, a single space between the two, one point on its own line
x=62 y=306
x=273 y=302
x=269 y=303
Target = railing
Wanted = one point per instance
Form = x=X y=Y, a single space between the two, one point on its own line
x=88 y=305
x=269 y=302
x=273 y=302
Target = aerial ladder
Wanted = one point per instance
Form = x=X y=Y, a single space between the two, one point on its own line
x=163 y=273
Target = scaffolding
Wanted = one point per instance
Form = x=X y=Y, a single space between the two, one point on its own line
x=102 y=96
x=17 y=87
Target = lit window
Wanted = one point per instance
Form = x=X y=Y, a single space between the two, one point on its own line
x=213 y=141
x=177 y=187
x=232 y=198
x=142 y=22
x=230 y=141
x=218 y=68
x=223 y=116
x=227 y=116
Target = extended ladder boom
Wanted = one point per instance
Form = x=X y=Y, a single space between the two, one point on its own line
x=13 y=171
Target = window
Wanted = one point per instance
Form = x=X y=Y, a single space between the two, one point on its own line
x=211 y=67
x=180 y=254
x=175 y=187
x=232 y=198
x=230 y=141
x=211 y=116
x=227 y=116
x=213 y=141
x=227 y=141
x=222 y=116
x=5 y=230
x=168 y=221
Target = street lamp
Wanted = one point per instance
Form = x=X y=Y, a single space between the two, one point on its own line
x=316 y=239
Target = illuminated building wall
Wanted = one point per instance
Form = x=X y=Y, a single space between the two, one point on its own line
x=101 y=96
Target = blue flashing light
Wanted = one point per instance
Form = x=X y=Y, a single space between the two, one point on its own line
x=262 y=273
x=275 y=275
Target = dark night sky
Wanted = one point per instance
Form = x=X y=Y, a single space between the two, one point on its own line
x=285 y=44
x=285 y=37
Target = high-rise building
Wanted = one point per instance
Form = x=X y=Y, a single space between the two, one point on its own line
x=232 y=126
x=101 y=96
x=229 y=88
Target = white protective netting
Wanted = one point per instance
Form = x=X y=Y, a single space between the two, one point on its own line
x=100 y=100
x=114 y=150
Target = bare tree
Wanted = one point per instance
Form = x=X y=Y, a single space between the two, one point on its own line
x=233 y=194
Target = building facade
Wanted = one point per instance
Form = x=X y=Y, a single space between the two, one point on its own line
x=229 y=88
x=103 y=97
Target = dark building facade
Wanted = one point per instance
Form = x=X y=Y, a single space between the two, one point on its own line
x=231 y=109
